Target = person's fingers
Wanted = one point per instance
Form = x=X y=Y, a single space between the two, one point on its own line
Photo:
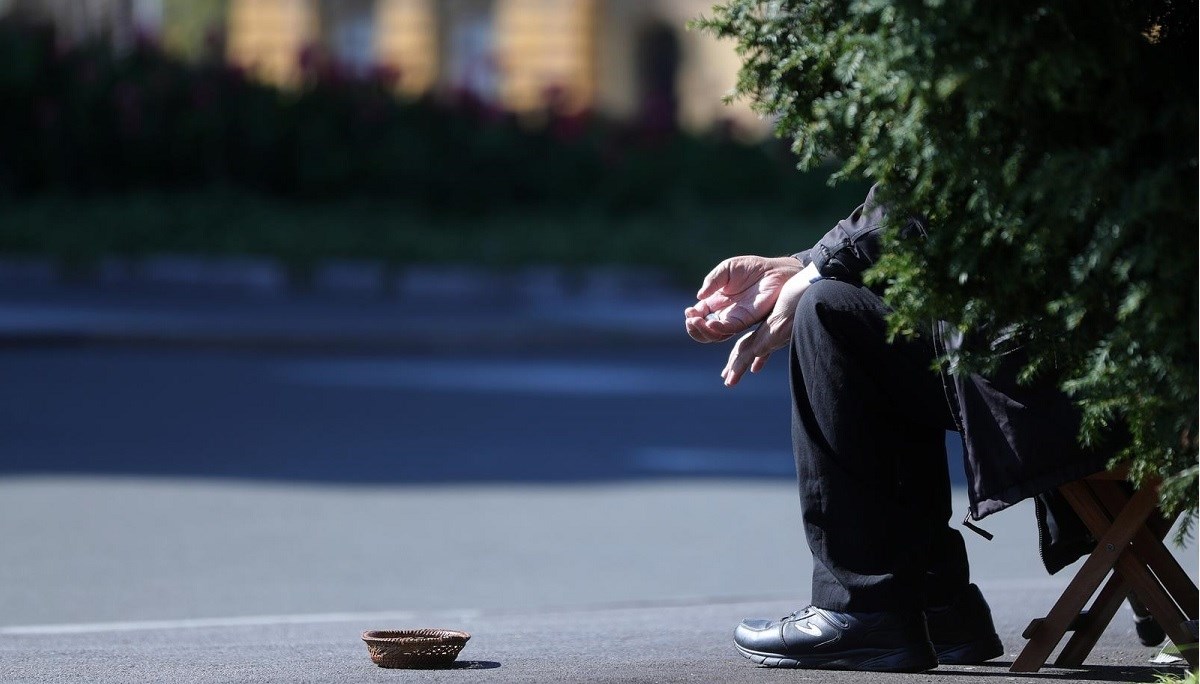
x=744 y=351
x=703 y=330
x=695 y=331
x=715 y=280
x=706 y=306
x=726 y=328
x=752 y=350
x=714 y=303
x=699 y=334
x=746 y=361
x=715 y=319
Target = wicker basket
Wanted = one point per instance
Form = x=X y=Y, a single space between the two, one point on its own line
x=414 y=647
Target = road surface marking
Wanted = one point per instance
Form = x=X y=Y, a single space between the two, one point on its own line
x=509 y=377
x=201 y=623
x=715 y=461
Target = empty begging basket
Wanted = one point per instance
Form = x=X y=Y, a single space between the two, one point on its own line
x=414 y=648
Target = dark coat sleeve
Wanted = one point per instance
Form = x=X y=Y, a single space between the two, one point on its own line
x=855 y=242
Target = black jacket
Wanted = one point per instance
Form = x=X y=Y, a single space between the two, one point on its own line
x=1019 y=440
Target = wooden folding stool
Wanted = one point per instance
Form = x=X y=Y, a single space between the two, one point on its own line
x=1129 y=535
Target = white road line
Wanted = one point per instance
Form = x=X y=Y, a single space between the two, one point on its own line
x=200 y=623
x=512 y=377
x=714 y=461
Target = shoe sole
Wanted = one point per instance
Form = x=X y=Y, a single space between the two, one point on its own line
x=971 y=652
x=864 y=659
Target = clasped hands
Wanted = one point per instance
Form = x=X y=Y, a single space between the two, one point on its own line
x=744 y=291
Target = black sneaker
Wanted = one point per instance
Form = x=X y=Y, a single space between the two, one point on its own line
x=962 y=632
x=1149 y=632
x=822 y=639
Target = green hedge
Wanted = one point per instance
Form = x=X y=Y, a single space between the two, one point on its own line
x=682 y=241
x=131 y=154
x=1053 y=147
x=86 y=121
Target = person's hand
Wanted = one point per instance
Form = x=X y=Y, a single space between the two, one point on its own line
x=735 y=295
x=750 y=352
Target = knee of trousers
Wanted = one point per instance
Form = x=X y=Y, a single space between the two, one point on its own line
x=829 y=310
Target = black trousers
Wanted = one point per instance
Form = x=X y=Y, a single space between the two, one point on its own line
x=868 y=426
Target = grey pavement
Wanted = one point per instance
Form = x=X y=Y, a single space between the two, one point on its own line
x=206 y=485
x=680 y=642
x=129 y=580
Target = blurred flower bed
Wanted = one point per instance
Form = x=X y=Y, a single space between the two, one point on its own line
x=141 y=152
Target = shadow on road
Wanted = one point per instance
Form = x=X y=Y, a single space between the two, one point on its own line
x=1091 y=673
x=474 y=665
x=567 y=417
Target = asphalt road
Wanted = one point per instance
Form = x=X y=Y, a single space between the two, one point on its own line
x=149 y=484
x=661 y=643
x=204 y=516
x=388 y=420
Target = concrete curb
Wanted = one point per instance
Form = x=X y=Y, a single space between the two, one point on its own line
x=266 y=276
x=514 y=340
x=186 y=301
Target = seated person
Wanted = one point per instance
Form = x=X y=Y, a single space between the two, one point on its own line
x=891 y=587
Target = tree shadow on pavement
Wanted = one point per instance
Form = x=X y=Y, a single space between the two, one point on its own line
x=418 y=419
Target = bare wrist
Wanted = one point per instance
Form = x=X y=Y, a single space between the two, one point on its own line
x=786 y=263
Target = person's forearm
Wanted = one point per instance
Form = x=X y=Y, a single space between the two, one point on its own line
x=810 y=273
x=791 y=293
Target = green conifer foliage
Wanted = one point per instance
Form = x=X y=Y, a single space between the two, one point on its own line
x=1053 y=148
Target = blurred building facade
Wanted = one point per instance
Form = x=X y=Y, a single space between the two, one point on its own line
x=117 y=21
x=630 y=59
x=627 y=58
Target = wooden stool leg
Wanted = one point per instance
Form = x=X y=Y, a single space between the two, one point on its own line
x=1149 y=547
x=1160 y=605
x=1108 y=551
x=1159 y=594
x=1094 y=621
x=1168 y=571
